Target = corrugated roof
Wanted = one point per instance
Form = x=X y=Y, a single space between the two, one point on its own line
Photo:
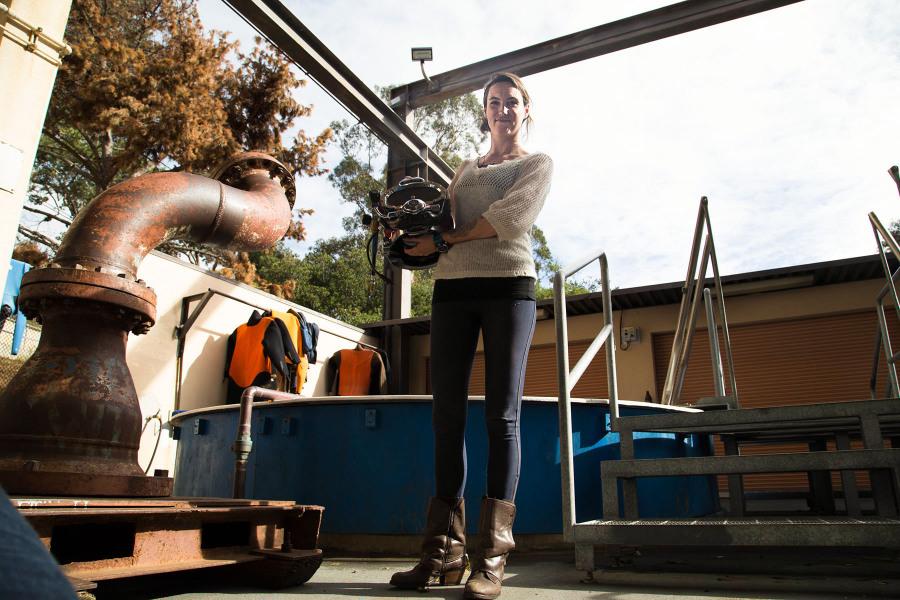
x=814 y=274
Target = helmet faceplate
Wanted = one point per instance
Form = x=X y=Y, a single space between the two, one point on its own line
x=416 y=207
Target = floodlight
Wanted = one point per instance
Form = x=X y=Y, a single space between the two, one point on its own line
x=422 y=54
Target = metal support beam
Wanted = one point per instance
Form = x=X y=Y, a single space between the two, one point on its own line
x=273 y=20
x=398 y=288
x=604 y=39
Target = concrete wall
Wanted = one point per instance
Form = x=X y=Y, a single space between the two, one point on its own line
x=634 y=366
x=27 y=82
x=152 y=357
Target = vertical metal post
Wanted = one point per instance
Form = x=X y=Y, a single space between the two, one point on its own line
x=882 y=233
x=713 y=329
x=398 y=289
x=694 y=287
x=886 y=344
x=613 y=387
x=689 y=326
x=723 y=318
x=894 y=172
x=567 y=380
x=566 y=465
x=686 y=294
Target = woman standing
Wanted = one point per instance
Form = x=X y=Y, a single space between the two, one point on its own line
x=484 y=282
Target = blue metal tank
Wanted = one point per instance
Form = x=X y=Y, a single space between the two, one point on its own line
x=368 y=460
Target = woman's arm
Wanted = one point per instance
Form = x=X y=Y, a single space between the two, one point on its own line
x=479 y=230
x=507 y=217
x=515 y=213
x=424 y=244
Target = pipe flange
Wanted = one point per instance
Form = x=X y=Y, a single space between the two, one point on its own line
x=233 y=171
x=135 y=302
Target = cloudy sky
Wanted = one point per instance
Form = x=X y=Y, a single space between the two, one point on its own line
x=787 y=120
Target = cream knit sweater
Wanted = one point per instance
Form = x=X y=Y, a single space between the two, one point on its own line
x=510 y=196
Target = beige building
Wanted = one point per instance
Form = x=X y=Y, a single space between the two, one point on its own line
x=801 y=334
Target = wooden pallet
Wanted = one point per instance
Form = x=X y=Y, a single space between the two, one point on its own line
x=98 y=539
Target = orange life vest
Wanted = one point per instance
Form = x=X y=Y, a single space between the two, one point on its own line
x=355 y=372
x=293 y=326
x=248 y=359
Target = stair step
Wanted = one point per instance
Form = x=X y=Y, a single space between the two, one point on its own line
x=762 y=463
x=842 y=415
x=875 y=532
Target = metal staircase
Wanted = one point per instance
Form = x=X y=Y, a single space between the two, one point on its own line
x=826 y=429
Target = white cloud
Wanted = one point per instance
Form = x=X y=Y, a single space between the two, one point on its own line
x=787 y=120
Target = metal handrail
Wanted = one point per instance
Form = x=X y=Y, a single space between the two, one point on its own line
x=695 y=288
x=568 y=379
x=883 y=238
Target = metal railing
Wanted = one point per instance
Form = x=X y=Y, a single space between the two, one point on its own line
x=568 y=379
x=883 y=238
x=695 y=288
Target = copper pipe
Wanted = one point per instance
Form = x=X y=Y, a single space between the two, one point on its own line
x=70 y=420
x=244 y=443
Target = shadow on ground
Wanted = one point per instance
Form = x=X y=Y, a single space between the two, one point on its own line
x=528 y=577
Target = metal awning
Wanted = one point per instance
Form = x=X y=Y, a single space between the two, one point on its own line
x=809 y=275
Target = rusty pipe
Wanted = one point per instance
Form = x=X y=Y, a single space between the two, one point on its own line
x=242 y=207
x=70 y=420
x=244 y=442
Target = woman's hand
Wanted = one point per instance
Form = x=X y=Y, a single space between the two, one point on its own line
x=420 y=245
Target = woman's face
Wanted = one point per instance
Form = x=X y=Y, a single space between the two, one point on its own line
x=505 y=110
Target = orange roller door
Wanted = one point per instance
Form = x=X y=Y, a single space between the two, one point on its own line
x=540 y=374
x=778 y=363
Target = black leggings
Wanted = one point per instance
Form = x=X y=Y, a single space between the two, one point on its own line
x=506 y=326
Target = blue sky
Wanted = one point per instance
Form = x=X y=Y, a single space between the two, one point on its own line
x=787 y=120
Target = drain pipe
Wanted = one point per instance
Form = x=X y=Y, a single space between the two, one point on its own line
x=70 y=420
x=244 y=443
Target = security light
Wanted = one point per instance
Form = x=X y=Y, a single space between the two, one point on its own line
x=421 y=54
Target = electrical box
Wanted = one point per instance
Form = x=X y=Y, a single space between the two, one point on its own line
x=371 y=418
x=631 y=334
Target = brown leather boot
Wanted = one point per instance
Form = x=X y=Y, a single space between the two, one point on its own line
x=444 y=559
x=495 y=530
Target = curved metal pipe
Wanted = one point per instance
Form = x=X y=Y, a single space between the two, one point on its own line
x=70 y=420
x=244 y=443
x=119 y=227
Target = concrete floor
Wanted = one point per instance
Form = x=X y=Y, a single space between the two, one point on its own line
x=528 y=578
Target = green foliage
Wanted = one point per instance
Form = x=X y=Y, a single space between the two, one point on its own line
x=451 y=127
x=422 y=289
x=355 y=175
x=547 y=266
x=894 y=229
x=147 y=89
x=335 y=280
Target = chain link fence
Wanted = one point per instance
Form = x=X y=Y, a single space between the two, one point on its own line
x=9 y=364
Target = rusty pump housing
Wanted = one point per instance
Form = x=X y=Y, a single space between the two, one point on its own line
x=70 y=420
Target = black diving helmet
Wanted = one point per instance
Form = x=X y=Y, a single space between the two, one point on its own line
x=415 y=207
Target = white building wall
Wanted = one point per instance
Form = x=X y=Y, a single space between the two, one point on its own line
x=152 y=357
